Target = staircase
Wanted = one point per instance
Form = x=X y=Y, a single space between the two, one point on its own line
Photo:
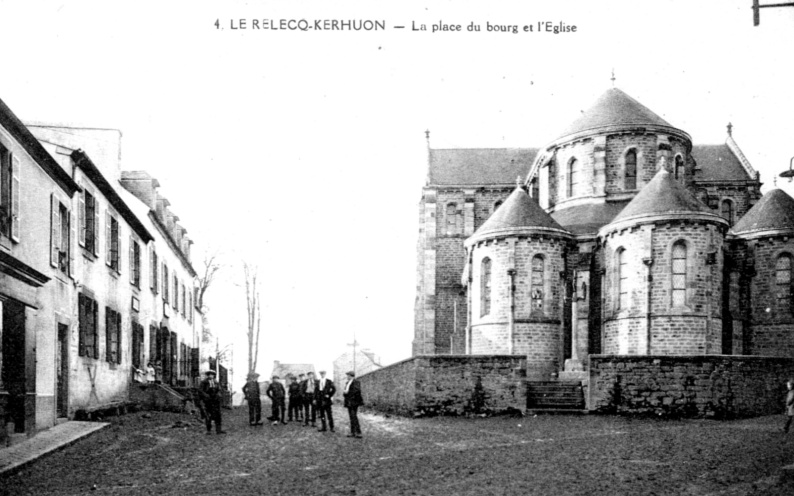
x=555 y=397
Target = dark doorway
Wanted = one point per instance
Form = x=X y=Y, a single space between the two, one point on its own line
x=62 y=369
x=13 y=368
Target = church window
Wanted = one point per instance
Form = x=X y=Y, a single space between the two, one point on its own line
x=726 y=210
x=622 y=279
x=630 y=171
x=497 y=205
x=679 y=274
x=574 y=177
x=485 y=287
x=534 y=190
x=452 y=218
x=679 y=168
x=537 y=283
x=783 y=282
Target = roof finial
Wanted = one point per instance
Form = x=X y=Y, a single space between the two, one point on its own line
x=518 y=181
x=427 y=135
x=774 y=180
x=730 y=129
x=613 y=77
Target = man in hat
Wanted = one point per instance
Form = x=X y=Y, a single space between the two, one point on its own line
x=301 y=398
x=275 y=391
x=325 y=393
x=253 y=397
x=210 y=392
x=294 y=393
x=353 y=400
x=308 y=392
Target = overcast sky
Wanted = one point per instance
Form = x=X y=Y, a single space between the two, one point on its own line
x=303 y=152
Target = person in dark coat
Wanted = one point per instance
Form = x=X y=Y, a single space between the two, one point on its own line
x=210 y=393
x=254 y=399
x=353 y=400
x=324 y=399
x=301 y=399
x=294 y=405
x=789 y=404
x=308 y=392
x=275 y=391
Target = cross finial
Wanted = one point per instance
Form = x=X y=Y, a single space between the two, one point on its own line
x=427 y=135
x=613 y=78
x=518 y=181
x=730 y=129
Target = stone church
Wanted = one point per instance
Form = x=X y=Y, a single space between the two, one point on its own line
x=620 y=237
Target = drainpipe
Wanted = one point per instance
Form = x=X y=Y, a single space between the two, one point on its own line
x=648 y=291
x=574 y=317
x=454 y=323
x=512 y=317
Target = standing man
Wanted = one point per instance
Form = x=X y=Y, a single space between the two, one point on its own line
x=210 y=392
x=253 y=397
x=308 y=391
x=789 y=404
x=301 y=399
x=325 y=393
x=294 y=405
x=275 y=391
x=353 y=400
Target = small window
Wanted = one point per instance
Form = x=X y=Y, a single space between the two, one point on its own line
x=497 y=205
x=135 y=263
x=87 y=322
x=574 y=177
x=60 y=236
x=112 y=335
x=537 y=283
x=89 y=222
x=154 y=282
x=485 y=287
x=679 y=168
x=452 y=219
x=166 y=283
x=679 y=274
x=622 y=279
x=9 y=194
x=176 y=294
x=726 y=210
x=113 y=234
x=630 y=171
x=783 y=283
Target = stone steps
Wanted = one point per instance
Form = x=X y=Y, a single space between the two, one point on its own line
x=557 y=395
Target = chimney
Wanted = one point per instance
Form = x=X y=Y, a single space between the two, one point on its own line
x=161 y=207
x=142 y=185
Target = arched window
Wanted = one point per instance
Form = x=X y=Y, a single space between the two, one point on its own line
x=537 y=283
x=783 y=283
x=534 y=189
x=679 y=274
x=679 y=168
x=485 y=287
x=497 y=204
x=726 y=210
x=452 y=218
x=574 y=173
x=622 y=279
x=630 y=170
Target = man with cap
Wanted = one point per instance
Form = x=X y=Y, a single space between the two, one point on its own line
x=253 y=397
x=353 y=400
x=294 y=394
x=324 y=395
x=210 y=392
x=301 y=398
x=308 y=391
x=275 y=391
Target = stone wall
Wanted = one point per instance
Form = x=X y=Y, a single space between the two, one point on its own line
x=447 y=385
x=720 y=386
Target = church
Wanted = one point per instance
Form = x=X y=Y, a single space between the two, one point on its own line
x=619 y=237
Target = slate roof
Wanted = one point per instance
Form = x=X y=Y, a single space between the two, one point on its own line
x=718 y=163
x=663 y=195
x=479 y=166
x=518 y=211
x=614 y=108
x=774 y=211
x=282 y=370
x=588 y=219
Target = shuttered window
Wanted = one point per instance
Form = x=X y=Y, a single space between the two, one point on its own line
x=113 y=242
x=154 y=281
x=166 y=282
x=112 y=335
x=679 y=273
x=6 y=188
x=89 y=222
x=60 y=235
x=135 y=263
x=87 y=317
x=137 y=345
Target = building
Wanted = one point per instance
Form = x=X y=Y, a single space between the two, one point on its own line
x=365 y=361
x=621 y=237
x=286 y=370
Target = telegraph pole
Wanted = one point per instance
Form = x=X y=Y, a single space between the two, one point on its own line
x=757 y=9
x=353 y=344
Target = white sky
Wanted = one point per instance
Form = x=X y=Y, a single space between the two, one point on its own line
x=304 y=152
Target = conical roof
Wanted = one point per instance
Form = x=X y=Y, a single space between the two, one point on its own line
x=774 y=212
x=518 y=213
x=614 y=108
x=662 y=196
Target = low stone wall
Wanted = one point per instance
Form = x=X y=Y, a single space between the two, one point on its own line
x=719 y=386
x=447 y=385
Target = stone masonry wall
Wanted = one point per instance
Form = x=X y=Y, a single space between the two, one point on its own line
x=718 y=386
x=447 y=385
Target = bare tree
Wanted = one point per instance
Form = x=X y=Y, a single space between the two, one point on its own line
x=254 y=315
x=211 y=267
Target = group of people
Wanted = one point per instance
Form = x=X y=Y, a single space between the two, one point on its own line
x=304 y=400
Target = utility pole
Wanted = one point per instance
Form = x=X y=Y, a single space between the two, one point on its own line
x=757 y=9
x=353 y=344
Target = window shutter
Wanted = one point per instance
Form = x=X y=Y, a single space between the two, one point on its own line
x=118 y=337
x=152 y=263
x=95 y=330
x=55 y=234
x=108 y=332
x=119 y=247
x=81 y=324
x=96 y=226
x=108 y=244
x=81 y=217
x=132 y=261
x=14 y=198
x=72 y=243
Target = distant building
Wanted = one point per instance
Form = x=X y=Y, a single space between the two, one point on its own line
x=365 y=361
x=285 y=370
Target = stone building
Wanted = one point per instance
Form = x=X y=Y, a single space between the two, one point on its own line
x=362 y=362
x=623 y=237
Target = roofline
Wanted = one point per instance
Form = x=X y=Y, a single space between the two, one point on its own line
x=164 y=232
x=59 y=126
x=660 y=218
x=511 y=185
x=612 y=128
x=35 y=150
x=83 y=161
x=510 y=232
x=763 y=233
x=734 y=148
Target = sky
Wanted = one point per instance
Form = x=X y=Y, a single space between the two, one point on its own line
x=303 y=153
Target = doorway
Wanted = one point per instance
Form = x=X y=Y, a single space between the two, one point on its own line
x=13 y=364
x=62 y=370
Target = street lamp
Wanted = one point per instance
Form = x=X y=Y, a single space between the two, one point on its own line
x=790 y=172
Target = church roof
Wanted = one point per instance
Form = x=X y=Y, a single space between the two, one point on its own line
x=519 y=212
x=588 y=219
x=479 y=166
x=774 y=212
x=663 y=196
x=718 y=163
x=614 y=108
